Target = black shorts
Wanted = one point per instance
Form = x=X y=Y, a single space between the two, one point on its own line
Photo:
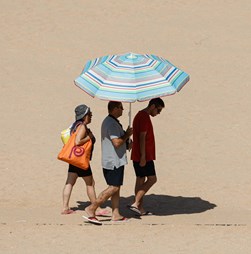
x=79 y=171
x=147 y=170
x=114 y=177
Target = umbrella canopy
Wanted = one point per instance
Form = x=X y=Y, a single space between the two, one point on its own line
x=130 y=77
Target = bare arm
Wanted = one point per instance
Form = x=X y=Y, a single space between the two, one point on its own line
x=117 y=142
x=82 y=136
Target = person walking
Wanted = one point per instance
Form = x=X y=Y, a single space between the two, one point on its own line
x=114 y=159
x=83 y=117
x=143 y=153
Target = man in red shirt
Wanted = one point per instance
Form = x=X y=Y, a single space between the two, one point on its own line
x=143 y=153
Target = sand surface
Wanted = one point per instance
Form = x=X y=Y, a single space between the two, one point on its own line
x=202 y=200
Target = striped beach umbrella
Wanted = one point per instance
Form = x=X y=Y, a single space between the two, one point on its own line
x=130 y=77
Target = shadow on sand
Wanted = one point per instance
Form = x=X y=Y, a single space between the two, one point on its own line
x=161 y=205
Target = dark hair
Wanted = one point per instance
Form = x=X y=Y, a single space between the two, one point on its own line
x=113 y=104
x=158 y=102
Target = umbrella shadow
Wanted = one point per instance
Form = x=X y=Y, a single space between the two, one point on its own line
x=161 y=205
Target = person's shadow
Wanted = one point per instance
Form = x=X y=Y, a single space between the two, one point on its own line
x=160 y=205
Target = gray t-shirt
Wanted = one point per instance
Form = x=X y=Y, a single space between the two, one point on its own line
x=111 y=156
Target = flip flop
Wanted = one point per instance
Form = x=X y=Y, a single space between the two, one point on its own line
x=93 y=220
x=134 y=209
x=69 y=211
x=123 y=219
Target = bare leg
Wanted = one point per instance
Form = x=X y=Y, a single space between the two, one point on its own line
x=103 y=196
x=139 y=183
x=90 y=188
x=142 y=188
x=71 y=180
x=115 y=205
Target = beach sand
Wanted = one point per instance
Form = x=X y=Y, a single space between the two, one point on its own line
x=202 y=200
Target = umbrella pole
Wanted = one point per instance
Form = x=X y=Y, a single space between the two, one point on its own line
x=130 y=114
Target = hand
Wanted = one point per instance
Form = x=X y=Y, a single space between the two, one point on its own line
x=129 y=145
x=129 y=131
x=142 y=162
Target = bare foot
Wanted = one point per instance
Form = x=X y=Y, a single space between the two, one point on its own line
x=117 y=217
x=68 y=211
x=102 y=212
x=121 y=219
x=89 y=212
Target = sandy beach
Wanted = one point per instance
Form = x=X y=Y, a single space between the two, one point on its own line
x=202 y=201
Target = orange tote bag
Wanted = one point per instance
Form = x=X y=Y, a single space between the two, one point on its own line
x=78 y=156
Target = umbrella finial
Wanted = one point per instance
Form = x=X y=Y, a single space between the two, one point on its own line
x=132 y=56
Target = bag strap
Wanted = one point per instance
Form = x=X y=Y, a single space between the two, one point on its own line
x=75 y=126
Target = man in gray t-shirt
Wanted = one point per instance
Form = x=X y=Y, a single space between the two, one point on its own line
x=113 y=140
x=112 y=157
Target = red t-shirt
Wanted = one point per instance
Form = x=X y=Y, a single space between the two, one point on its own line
x=142 y=123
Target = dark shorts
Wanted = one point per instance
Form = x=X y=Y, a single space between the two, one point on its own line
x=114 y=177
x=79 y=171
x=147 y=170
